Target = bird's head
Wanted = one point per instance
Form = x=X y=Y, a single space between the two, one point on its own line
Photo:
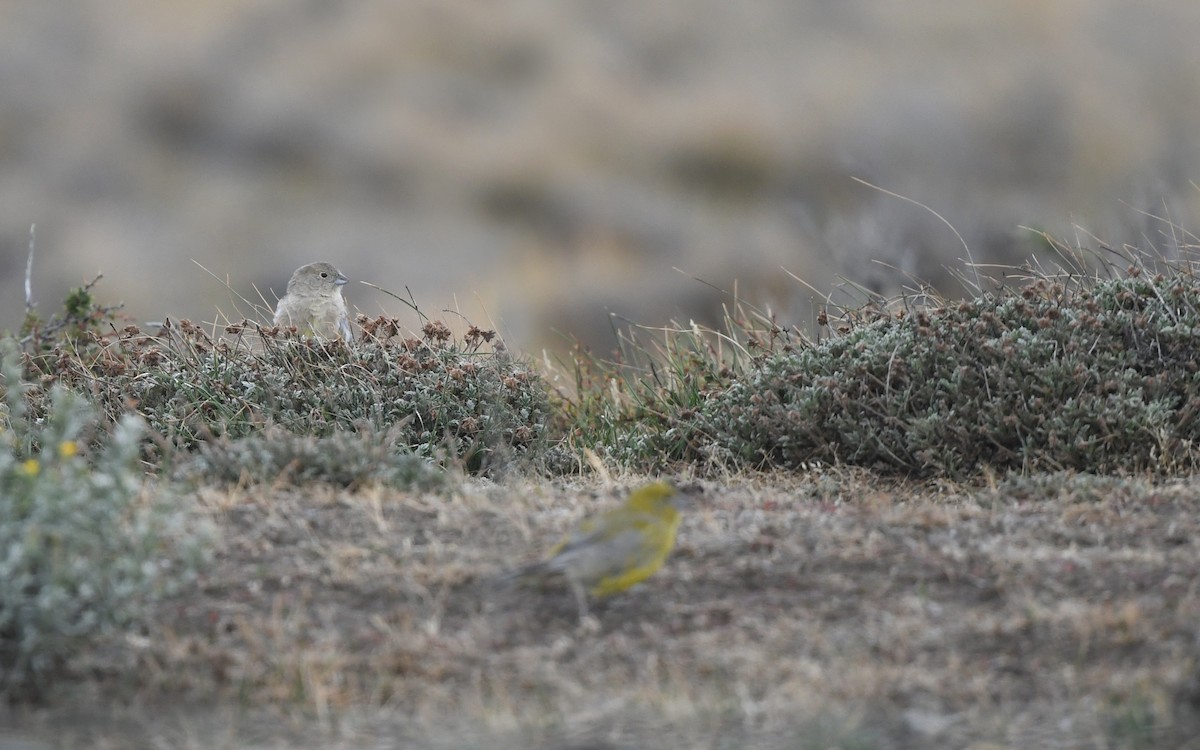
x=320 y=278
x=656 y=497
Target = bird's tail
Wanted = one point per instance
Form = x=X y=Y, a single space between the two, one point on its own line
x=535 y=575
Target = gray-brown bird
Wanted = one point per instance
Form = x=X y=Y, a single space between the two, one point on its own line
x=314 y=305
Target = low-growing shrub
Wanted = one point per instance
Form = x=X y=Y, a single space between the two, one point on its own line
x=1094 y=375
x=1103 y=377
x=434 y=397
x=343 y=459
x=85 y=543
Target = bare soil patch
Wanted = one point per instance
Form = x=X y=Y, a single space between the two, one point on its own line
x=834 y=609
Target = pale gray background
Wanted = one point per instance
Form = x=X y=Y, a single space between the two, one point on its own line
x=540 y=163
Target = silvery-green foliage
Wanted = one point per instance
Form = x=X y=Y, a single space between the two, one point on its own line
x=86 y=544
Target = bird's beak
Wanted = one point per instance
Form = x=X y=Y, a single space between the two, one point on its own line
x=341 y=280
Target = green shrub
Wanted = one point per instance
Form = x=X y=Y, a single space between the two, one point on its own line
x=1103 y=377
x=1093 y=375
x=433 y=397
x=343 y=458
x=85 y=545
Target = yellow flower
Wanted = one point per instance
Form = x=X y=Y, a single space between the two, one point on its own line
x=613 y=551
x=31 y=467
x=68 y=448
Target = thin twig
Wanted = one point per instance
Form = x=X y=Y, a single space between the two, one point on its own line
x=29 y=271
x=225 y=282
x=978 y=285
x=411 y=304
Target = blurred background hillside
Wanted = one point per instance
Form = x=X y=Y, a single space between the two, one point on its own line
x=540 y=164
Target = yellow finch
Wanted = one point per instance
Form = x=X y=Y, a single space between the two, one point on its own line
x=313 y=303
x=613 y=551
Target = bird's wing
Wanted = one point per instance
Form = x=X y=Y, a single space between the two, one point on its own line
x=592 y=562
x=621 y=532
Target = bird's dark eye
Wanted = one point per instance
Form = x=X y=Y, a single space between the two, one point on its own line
x=324 y=274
